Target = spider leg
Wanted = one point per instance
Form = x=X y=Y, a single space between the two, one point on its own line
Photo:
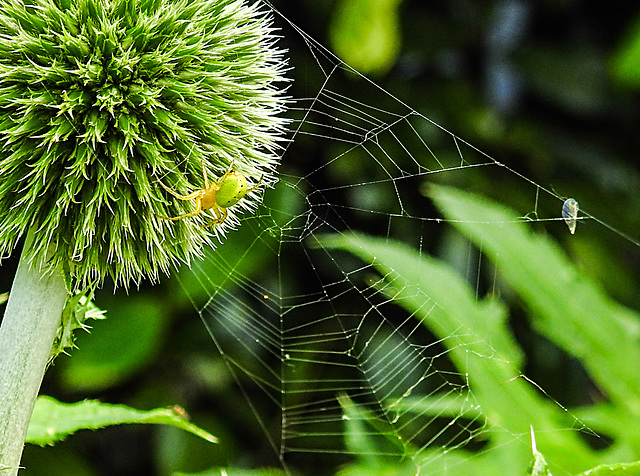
x=198 y=209
x=228 y=172
x=220 y=219
x=191 y=196
x=256 y=185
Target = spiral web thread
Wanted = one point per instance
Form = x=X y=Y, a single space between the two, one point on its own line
x=345 y=369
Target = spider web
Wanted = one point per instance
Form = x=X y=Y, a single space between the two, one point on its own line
x=319 y=343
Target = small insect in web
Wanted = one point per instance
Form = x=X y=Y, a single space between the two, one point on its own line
x=570 y=210
x=217 y=196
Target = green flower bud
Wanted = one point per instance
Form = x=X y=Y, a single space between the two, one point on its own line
x=102 y=101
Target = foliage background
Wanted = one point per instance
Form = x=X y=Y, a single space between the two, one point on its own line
x=550 y=88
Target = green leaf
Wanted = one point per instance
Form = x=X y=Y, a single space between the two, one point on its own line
x=77 y=310
x=52 y=420
x=481 y=347
x=567 y=307
x=366 y=34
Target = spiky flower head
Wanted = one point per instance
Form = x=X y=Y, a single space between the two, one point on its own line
x=100 y=100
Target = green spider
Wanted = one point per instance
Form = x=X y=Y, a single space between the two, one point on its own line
x=217 y=197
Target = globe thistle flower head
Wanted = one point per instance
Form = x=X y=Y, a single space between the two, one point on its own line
x=101 y=101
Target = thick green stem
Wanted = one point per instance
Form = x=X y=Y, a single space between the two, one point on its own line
x=28 y=329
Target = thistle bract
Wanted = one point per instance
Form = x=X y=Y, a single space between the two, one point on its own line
x=101 y=99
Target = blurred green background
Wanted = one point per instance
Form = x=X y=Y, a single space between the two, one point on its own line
x=549 y=88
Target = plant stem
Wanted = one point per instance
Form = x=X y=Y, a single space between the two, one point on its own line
x=28 y=329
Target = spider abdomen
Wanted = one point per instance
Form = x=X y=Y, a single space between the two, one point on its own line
x=231 y=190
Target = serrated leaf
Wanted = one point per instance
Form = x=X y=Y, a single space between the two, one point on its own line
x=77 y=310
x=53 y=421
x=567 y=307
x=480 y=345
